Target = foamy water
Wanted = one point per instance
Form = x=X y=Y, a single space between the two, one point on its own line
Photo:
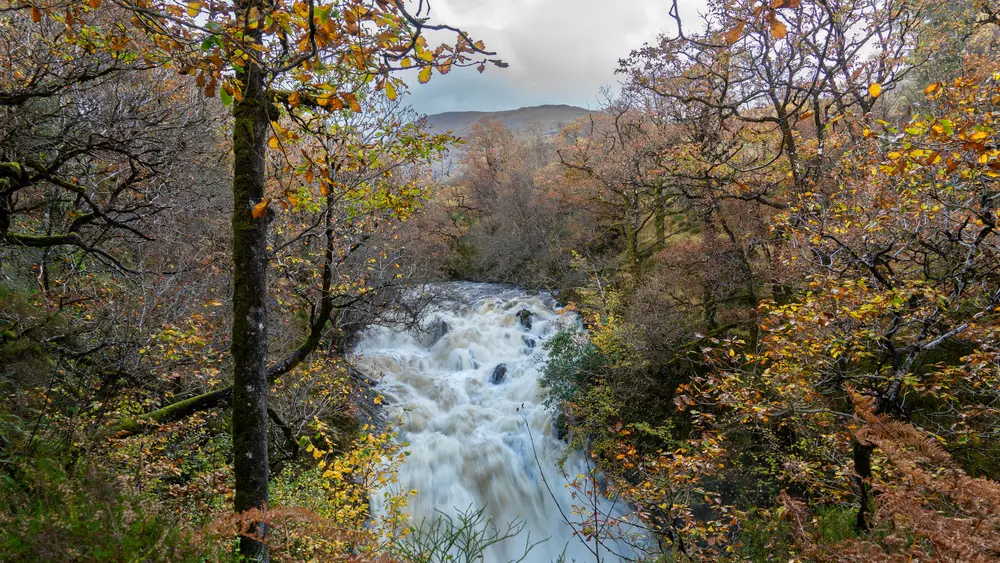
x=470 y=429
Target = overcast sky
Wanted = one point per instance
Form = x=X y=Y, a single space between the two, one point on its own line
x=559 y=51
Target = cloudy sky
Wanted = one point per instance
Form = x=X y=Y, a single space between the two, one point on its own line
x=559 y=51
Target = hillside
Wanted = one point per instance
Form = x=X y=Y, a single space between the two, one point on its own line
x=549 y=119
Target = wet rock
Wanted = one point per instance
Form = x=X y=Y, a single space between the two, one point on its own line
x=529 y=342
x=524 y=317
x=499 y=374
x=435 y=332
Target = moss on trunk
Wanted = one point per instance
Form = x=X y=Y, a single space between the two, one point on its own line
x=249 y=338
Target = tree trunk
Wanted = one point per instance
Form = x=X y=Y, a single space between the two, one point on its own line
x=660 y=219
x=249 y=340
x=862 y=477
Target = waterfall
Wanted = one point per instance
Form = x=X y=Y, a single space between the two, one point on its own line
x=466 y=389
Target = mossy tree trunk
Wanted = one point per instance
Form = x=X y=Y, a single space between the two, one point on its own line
x=249 y=339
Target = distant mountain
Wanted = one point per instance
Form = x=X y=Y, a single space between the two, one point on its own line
x=549 y=119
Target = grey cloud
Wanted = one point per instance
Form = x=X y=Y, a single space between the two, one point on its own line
x=559 y=51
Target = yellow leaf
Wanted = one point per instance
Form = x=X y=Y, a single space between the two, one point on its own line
x=317 y=454
x=390 y=90
x=193 y=8
x=258 y=212
x=294 y=99
x=425 y=75
x=875 y=89
x=273 y=143
x=378 y=400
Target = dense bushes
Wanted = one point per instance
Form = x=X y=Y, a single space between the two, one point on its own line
x=70 y=510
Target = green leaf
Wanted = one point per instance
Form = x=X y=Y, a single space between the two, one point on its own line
x=211 y=41
x=227 y=98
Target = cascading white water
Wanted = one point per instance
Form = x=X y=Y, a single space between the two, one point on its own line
x=469 y=443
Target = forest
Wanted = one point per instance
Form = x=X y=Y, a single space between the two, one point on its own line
x=776 y=245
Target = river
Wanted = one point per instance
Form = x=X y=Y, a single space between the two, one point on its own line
x=467 y=391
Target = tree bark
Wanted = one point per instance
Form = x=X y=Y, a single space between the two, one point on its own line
x=249 y=338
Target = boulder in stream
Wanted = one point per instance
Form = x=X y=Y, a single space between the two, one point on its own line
x=434 y=332
x=524 y=317
x=499 y=374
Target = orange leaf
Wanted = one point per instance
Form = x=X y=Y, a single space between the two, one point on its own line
x=95 y=4
x=734 y=34
x=259 y=209
x=778 y=30
x=293 y=99
x=351 y=100
x=932 y=88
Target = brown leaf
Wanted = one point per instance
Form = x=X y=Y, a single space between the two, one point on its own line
x=36 y=14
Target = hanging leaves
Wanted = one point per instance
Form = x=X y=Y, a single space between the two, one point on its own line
x=875 y=90
x=425 y=75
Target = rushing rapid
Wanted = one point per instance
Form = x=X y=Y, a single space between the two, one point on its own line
x=466 y=387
